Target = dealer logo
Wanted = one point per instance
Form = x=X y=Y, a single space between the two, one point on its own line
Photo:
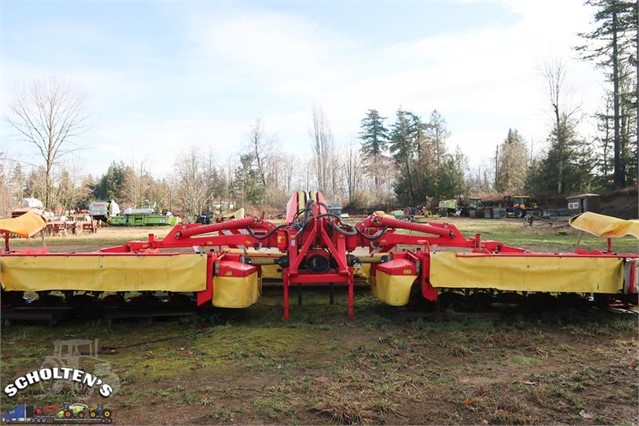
x=74 y=367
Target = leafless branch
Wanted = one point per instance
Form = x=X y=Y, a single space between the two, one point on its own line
x=48 y=115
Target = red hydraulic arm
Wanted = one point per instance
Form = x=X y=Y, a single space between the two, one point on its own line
x=188 y=231
x=443 y=230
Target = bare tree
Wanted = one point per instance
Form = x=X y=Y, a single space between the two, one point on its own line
x=138 y=183
x=353 y=171
x=5 y=193
x=306 y=174
x=216 y=182
x=227 y=171
x=322 y=149
x=555 y=75
x=290 y=170
x=260 y=146
x=162 y=192
x=192 y=183
x=48 y=115
x=281 y=172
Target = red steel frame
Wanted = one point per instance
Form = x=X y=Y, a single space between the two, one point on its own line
x=323 y=233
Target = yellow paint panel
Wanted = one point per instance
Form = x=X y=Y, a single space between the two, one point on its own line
x=235 y=292
x=605 y=226
x=272 y=272
x=393 y=290
x=301 y=200
x=183 y=272
x=522 y=273
x=25 y=225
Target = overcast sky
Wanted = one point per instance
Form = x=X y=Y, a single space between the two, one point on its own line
x=162 y=76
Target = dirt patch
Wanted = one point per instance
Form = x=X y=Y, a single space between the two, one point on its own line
x=623 y=203
x=383 y=367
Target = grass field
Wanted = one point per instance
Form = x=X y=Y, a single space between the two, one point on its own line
x=539 y=237
x=388 y=365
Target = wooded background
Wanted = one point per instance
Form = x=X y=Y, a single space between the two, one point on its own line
x=398 y=161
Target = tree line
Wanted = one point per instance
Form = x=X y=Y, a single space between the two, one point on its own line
x=401 y=161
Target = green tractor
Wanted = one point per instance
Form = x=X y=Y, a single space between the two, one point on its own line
x=83 y=411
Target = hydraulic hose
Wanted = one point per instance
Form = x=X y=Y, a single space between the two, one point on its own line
x=348 y=232
x=419 y=227
x=221 y=226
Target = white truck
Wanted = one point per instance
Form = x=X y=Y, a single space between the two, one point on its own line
x=103 y=210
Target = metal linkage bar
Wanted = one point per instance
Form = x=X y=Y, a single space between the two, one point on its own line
x=446 y=231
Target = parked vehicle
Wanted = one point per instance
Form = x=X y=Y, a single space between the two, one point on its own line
x=103 y=210
x=521 y=205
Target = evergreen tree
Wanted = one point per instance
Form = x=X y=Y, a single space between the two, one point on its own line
x=426 y=168
x=603 y=142
x=439 y=163
x=36 y=183
x=65 y=192
x=423 y=184
x=437 y=133
x=451 y=176
x=512 y=164
x=576 y=156
x=111 y=185
x=247 y=182
x=68 y=193
x=628 y=130
x=88 y=184
x=18 y=182
x=374 y=136
x=403 y=148
x=613 y=47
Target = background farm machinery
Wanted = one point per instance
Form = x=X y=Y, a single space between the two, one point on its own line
x=54 y=413
x=59 y=223
x=510 y=206
x=109 y=212
x=223 y=263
